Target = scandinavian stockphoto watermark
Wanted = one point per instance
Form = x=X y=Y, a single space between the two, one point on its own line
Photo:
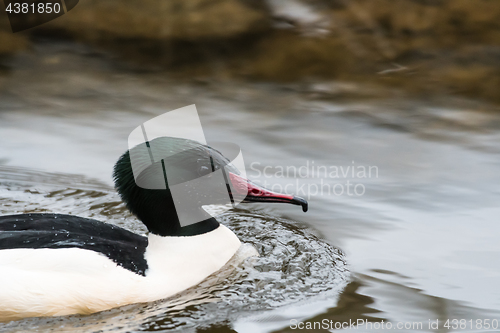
x=310 y=178
x=170 y=152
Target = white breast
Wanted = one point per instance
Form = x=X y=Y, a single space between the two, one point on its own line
x=48 y=282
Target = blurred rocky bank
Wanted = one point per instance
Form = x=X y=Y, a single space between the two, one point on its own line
x=422 y=46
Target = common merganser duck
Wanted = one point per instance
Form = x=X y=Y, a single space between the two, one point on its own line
x=55 y=264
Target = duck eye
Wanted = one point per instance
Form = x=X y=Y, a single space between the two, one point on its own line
x=203 y=170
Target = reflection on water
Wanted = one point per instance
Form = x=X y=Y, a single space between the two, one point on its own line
x=421 y=241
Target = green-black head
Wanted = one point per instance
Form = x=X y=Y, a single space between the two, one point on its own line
x=167 y=179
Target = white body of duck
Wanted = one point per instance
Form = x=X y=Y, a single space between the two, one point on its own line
x=54 y=282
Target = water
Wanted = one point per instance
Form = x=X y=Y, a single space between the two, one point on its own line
x=419 y=237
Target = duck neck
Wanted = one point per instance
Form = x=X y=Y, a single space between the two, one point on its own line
x=198 y=228
x=165 y=221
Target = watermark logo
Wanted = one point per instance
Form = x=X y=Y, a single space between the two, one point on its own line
x=311 y=179
x=26 y=14
x=170 y=152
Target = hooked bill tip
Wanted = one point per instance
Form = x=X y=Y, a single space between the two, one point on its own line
x=302 y=202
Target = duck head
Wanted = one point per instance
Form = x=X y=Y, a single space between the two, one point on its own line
x=165 y=182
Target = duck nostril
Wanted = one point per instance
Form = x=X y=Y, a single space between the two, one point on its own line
x=255 y=191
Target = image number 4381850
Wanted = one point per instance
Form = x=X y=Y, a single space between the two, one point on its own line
x=26 y=14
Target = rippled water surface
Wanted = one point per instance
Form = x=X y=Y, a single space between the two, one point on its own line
x=419 y=238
